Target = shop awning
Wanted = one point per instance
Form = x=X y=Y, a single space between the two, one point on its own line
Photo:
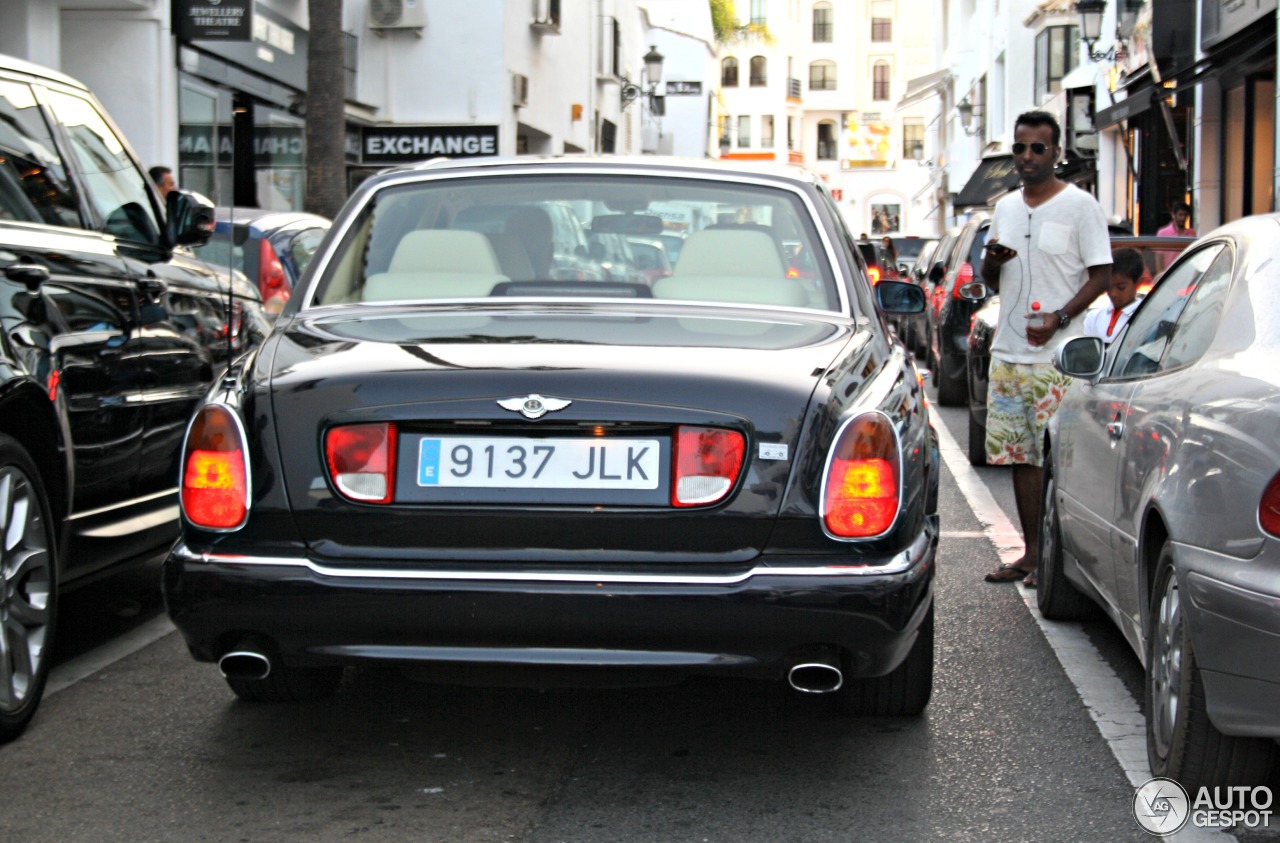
x=993 y=177
x=923 y=87
x=1131 y=106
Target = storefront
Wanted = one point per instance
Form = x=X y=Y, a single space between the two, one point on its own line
x=241 y=136
x=1239 y=44
x=1151 y=119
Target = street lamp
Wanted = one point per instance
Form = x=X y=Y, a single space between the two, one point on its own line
x=1090 y=12
x=965 y=109
x=652 y=74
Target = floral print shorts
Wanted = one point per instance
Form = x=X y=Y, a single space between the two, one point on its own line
x=1021 y=398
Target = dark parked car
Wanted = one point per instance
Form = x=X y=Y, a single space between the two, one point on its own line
x=272 y=248
x=949 y=313
x=430 y=463
x=111 y=332
x=1157 y=254
x=914 y=328
x=1162 y=503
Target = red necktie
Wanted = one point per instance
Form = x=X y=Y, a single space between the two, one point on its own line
x=1115 y=316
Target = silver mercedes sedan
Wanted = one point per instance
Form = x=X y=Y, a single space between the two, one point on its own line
x=1162 y=503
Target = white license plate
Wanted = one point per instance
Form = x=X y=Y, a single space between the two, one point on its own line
x=518 y=463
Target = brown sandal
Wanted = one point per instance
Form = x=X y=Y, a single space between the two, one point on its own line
x=1007 y=573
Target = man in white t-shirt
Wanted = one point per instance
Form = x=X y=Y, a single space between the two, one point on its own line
x=1049 y=256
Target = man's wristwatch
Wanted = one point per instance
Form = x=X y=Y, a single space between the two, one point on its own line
x=1064 y=318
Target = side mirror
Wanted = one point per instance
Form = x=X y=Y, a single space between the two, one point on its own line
x=899 y=297
x=1080 y=357
x=190 y=219
x=937 y=272
x=973 y=291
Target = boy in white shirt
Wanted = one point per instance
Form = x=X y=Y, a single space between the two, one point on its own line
x=1126 y=272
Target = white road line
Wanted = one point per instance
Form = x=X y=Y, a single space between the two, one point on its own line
x=83 y=666
x=1108 y=701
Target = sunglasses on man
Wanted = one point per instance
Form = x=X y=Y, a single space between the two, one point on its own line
x=1037 y=147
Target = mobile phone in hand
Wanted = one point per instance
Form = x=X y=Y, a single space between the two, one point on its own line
x=1000 y=251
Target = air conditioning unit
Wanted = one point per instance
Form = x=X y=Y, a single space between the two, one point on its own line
x=519 y=90
x=546 y=16
x=397 y=14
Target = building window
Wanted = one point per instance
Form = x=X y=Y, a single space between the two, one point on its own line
x=881 y=29
x=744 y=131
x=758 y=12
x=726 y=133
x=759 y=71
x=822 y=28
x=827 y=145
x=766 y=131
x=1056 y=56
x=913 y=138
x=822 y=76
x=729 y=73
x=880 y=80
x=615 y=60
x=791 y=133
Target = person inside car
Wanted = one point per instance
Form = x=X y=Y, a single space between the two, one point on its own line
x=1122 y=296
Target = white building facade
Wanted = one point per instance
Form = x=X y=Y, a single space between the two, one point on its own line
x=817 y=84
x=1174 y=102
x=423 y=78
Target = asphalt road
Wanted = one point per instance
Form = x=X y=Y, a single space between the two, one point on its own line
x=154 y=747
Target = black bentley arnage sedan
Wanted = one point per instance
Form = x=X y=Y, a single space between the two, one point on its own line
x=463 y=447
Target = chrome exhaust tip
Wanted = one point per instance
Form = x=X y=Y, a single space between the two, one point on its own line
x=815 y=677
x=242 y=664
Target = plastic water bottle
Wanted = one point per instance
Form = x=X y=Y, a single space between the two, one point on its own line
x=1035 y=320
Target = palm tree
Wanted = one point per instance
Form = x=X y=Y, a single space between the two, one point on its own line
x=326 y=109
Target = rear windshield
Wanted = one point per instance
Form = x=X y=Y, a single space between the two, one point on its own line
x=582 y=236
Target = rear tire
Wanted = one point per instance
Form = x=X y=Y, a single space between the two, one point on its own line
x=289 y=684
x=1182 y=743
x=28 y=588
x=977 y=442
x=903 y=692
x=952 y=392
x=1057 y=598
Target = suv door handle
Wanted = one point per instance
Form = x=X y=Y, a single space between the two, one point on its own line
x=1115 y=429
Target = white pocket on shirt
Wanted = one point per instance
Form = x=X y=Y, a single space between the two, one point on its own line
x=1055 y=238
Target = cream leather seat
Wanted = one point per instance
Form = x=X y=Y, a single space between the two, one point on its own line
x=732 y=266
x=437 y=263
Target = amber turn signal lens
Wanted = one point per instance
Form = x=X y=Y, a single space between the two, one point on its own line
x=860 y=494
x=215 y=490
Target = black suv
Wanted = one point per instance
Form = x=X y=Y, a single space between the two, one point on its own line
x=111 y=331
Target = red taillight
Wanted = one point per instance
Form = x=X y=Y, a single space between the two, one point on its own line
x=964 y=275
x=1269 y=508
x=707 y=463
x=792 y=272
x=362 y=461
x=860 y=496
x=215 y=489
x=873 y=272
x=271 y=278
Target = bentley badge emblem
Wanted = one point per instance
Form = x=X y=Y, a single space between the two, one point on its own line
x=533 y=406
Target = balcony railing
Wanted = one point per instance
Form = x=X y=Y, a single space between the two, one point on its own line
x=793 y=89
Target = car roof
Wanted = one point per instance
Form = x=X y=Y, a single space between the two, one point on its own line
x=264 y=219
x=17 y=65
x=654 y=163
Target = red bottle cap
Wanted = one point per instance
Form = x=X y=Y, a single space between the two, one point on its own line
x=1035 y=305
